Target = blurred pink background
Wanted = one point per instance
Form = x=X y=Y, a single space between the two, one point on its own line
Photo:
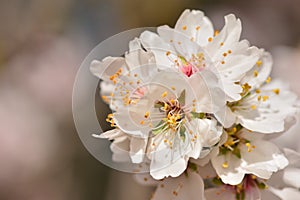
x=42 y=44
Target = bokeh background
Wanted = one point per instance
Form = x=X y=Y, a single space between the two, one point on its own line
x=42 y=44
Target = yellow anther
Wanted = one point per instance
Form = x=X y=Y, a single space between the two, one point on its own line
x=142 y=122
x=221 y=44
x=135 y=75
x=146 y=114
x=255 y=73
x=253 y=107
x=105 y=98
x=250 y=147
x=224 y=54
x=216 y=33
x=173 y=88
x=210 y=39
x=172 y=101
x=197 y=28
x=257 y=91
x=184 y=28
x=276 y=91
x=259 y=98
x=265 y=98
x=223 y=62
x=268 y=80
x=168 y=53
x=225 y=164
x=164 y=94
x=229 y=51
x=166 y=106
x=258 y=63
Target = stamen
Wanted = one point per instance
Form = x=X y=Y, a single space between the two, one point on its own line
x=276 y=91
x=258 y=63
x=268 y=80
x=225 y=165
x=164 y=94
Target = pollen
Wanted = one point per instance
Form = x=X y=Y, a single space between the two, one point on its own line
x=184 y=28
x=225 y=164
x=276 y=91
x=164 y=94
x=255 y=73
x=250 y=147
x=216 y=33
x=259 y=98
x=146 y=114
x=268 y=80
x=253 y=107
x=265 y=98
x=258 y=63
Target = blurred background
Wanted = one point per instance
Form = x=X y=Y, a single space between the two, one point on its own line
x=42 y=44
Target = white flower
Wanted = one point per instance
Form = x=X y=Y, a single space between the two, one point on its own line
x=244 y=153
x=193 y=45
x=187 y=186
x=165 y=114
x=283 y=185
x=286 y=183
x=121 y=76
x=262 y=110
x=172 y=115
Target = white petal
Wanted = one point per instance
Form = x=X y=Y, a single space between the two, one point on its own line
x=286 y=193
x=107 y=67
x=195 y=25
x=291 y=176
x=264 y=159
x=137 y=149
x=184 y=187
x=168 y=161
x=137 y=57
x=120 y=151
x=293 y=157
x=146 y=179
x=159 y=47
x=232 y=174
x=230 y=34
x=220 y=193
x=263 y=70
x=209 y=95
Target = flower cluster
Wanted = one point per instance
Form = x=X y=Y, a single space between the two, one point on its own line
x=198 y=105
